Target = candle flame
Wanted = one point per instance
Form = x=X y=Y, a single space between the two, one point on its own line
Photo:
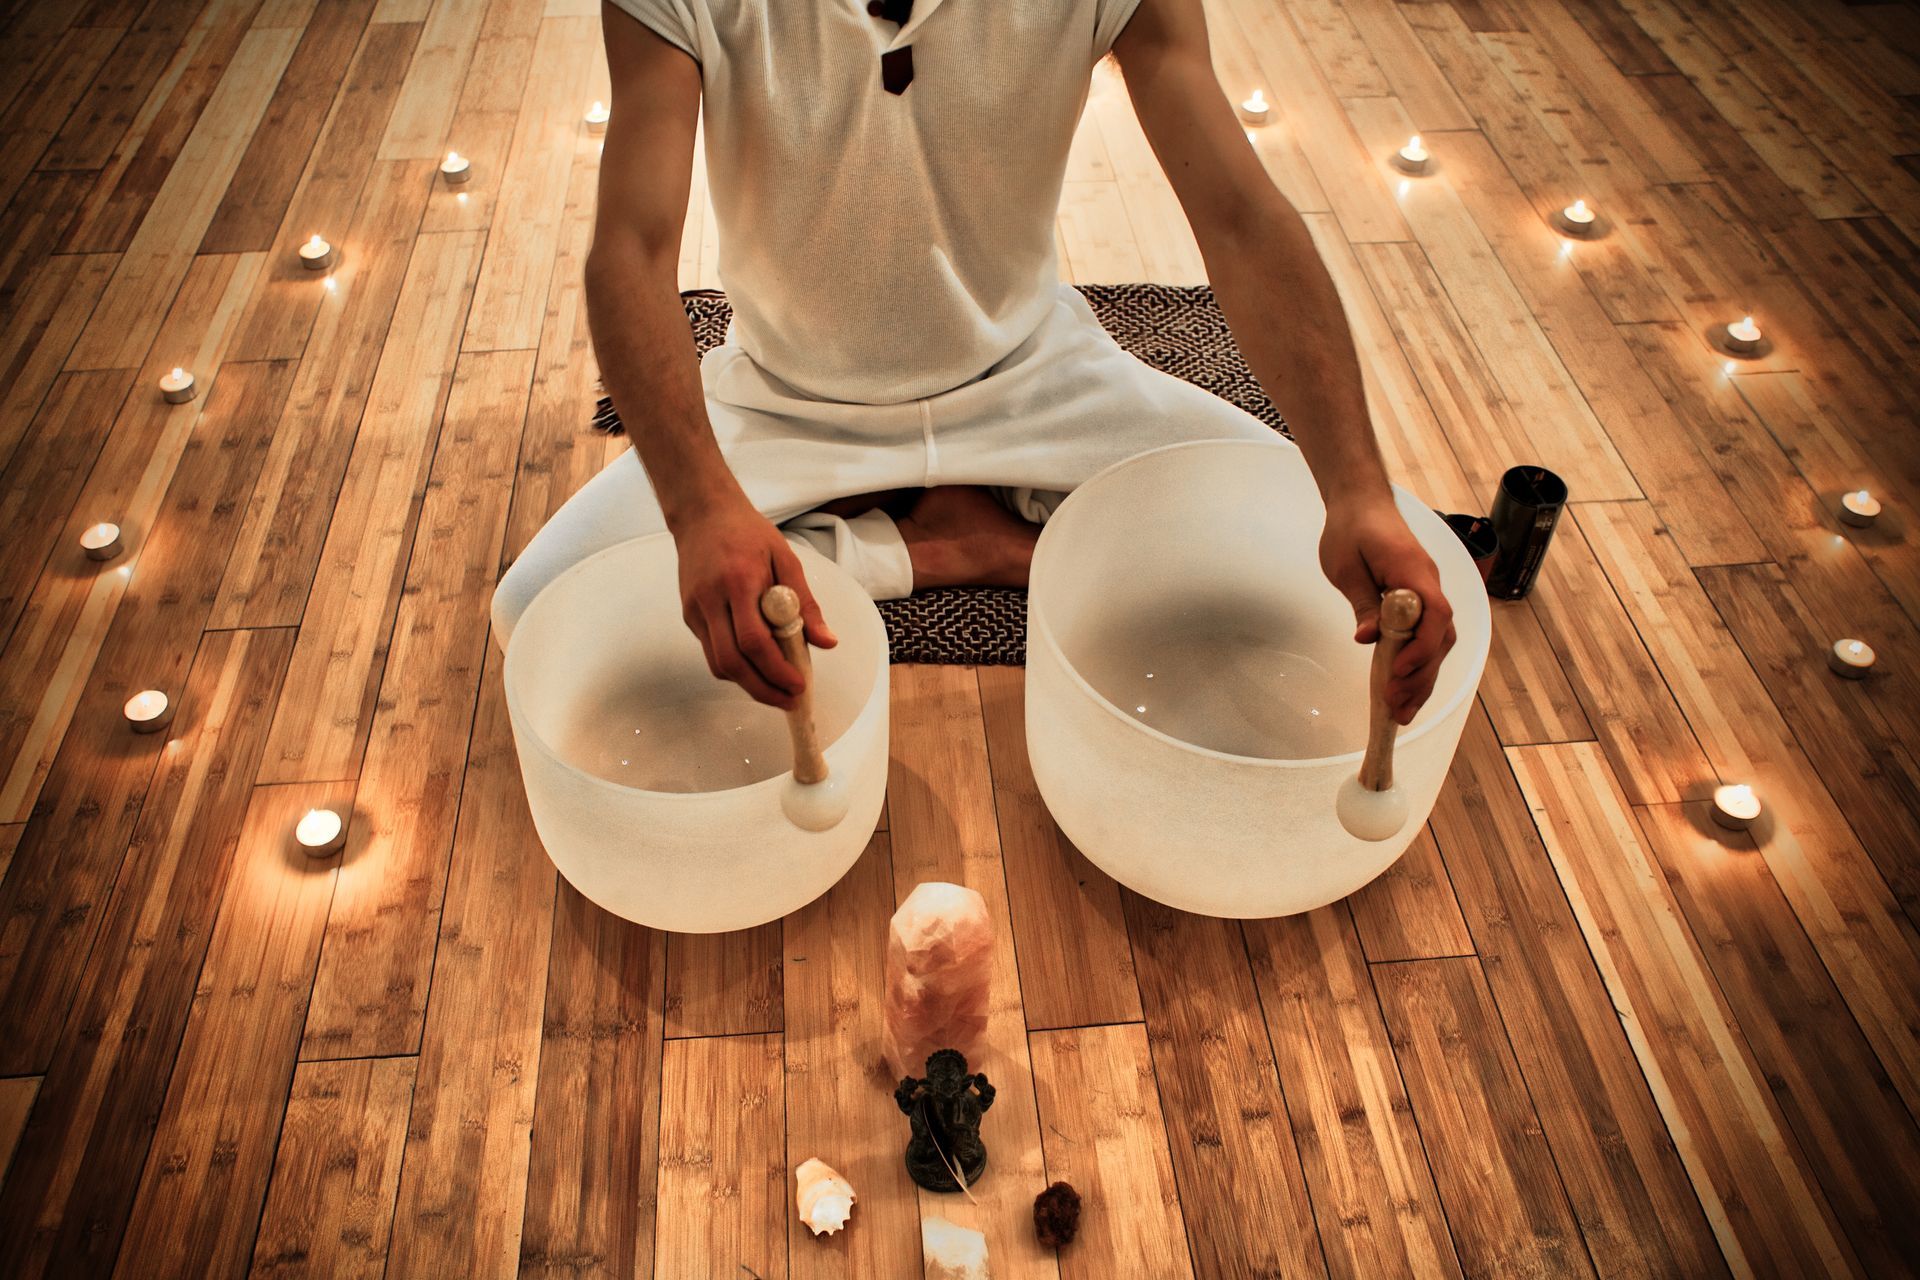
x=178 y=372
x=1413 y=143
x=1855 y=647
x=599 y=107
x=1863 y=495
x=316 y=242
x=1740 y=791
x=1256 y=101
x=453 y=157
x=1579 y=208
x=1748 y=322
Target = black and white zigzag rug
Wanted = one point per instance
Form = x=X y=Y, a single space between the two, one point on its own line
x=1175 y=328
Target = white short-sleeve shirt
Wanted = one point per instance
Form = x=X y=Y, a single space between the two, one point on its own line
x=882 y=247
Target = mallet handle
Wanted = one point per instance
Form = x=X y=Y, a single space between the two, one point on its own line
x=780 y=606
x=1399 y=615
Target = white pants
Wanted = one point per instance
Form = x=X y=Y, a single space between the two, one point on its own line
x=1065 y=404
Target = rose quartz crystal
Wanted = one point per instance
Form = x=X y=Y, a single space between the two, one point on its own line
x=939 y=965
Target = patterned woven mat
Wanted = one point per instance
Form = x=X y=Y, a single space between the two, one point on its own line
x=1174 y=328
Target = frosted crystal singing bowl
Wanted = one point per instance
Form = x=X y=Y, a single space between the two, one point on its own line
x=655 y=788
x=1194 y=695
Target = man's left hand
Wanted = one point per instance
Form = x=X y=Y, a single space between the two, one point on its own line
x=1366 y=551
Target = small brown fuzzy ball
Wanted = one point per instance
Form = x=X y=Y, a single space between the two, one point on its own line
x=1056 y=1215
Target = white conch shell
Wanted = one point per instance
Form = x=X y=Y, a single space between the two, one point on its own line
x=823 y=1196
x=953 y=1253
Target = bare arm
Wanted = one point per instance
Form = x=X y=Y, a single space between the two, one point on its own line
x=729 y=552
x=1287 y=320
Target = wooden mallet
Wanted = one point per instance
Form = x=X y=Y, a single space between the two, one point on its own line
x=815 y=799
x=1368 y=805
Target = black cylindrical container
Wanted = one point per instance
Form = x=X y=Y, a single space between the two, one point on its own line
x=1477 y=536
x=1525 y=511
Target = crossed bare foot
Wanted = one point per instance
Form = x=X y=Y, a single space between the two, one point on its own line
x=960 y=536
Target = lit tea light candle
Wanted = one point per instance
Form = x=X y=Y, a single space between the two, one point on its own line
x=148 y=711
x=1859 y=508
x=320 y=832
x=1413 y=158
x=177 y=386
x=101 y=541
x=597 y=118
x=1255 y=109
x=1735 y=807
x=316 y=254
x=1743 y=335
x=1851 y=659
x=455 y=168
x=1576 y=219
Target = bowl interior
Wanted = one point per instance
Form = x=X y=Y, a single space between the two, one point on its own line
x=1183 y=590
x=610 y=681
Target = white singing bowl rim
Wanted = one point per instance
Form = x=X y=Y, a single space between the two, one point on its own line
x=1430 y=715
x=814 y=564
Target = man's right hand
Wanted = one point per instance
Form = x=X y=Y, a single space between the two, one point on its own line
x=729 y=555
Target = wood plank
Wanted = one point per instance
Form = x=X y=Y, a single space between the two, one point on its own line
x=1098 y=238
x=283 y=146
x=1764 y=1205
x=16 y=1102
x=1234 y=1152
x=1626 y=45
x=283 y=535
x=206 y=1174
x=320 y=730
x=1357 y=1134
x=1429 y=100
x=1411 y=440
x=31 y=228
x=1409 y=912
x=1867 y=943
x=1561 y=426
x=1069 y=929
x=1859 y=734
x=371 y=991
x=1759 y=193
x=369 y=211
x=558 y=452
x=102 y=114
x=1097 y=1099
x=153 y=143
x=79 y=1161
x=1524 y=688
x=596 y=1119
x=1490 y=1158
x=1237 y=68
x=1338 y=50
x=418 y=127
x=39 y=332
x=1637 y=421
x=940 y=804
x=483 y=124
x=1614 y=264
x=510 y=299
x=157 y=257
x=724 y=984
x=46 y=472
x=464 y=1182
x=839 y=1088
x=63 y=618
x=724 y=1194
x=9 y=841
x=1168 y=251
x=334 y=1176
x=1647 y=738
x=47 y=95
x=1636 y=1209
x=56 y=891
x=1774 y=136
x=1854 y=583
x=1346 y=168
x=1855 y=1133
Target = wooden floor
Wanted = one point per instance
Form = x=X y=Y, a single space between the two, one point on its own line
x=1577 y=1030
